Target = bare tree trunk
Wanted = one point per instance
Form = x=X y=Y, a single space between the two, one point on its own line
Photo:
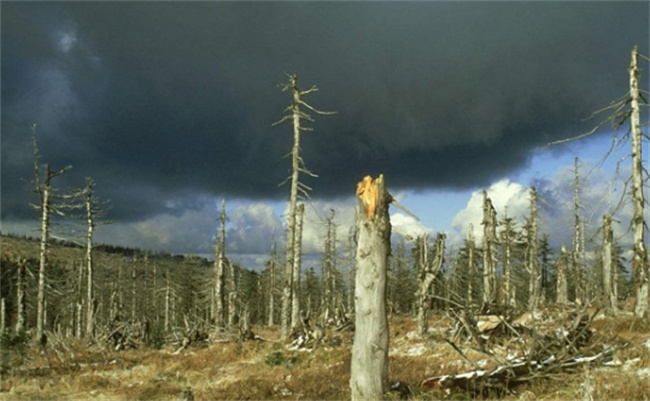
x=489 y=251
x=297 y=166
x=219 y=268
x=470 y=267
x=428 y=273
x=562 y=290
x=608 y=273
x=232 y=293
x=507 y=293
x=3 y=316
x=133 y=288
x=291 y=218
x=90 y=299
x=271 y=320
x=577 y=256
x=640 y=257
x=535 y=276
x=352 y=238
x=45 y=231
x=295 y=282
x=369 y=364
x=21 y=302
x=167 y=300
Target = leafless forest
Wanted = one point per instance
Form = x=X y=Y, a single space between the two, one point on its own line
x=503 y=317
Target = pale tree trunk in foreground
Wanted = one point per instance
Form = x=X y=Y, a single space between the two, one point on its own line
x=369 y=364
x=640 y=258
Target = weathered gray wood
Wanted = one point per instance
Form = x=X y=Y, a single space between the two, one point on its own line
x=428 y=273
x=489 y=251
x=640 y=257
x=609 y=277
x=295 y=274
x=562 y=290
x=219 y=269
x=535 y=276
x=369 y=364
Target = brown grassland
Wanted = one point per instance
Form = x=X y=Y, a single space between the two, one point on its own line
x=268 y=370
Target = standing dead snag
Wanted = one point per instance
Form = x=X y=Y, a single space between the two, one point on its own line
x=369 y=365
x=640 y=258
x=297 y=166
x=489 y=251
x=428 y=273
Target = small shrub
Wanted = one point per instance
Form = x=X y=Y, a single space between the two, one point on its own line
x=274 y=358
x=156 y=338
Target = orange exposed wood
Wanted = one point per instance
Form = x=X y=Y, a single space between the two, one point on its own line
x=369 y=195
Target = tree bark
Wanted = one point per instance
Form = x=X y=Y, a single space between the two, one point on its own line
x=609 y=277
x=21 y=302
x=428 y=273
x=562 y=290
x=369 y=364
x=219 y=268
x=45 y=231
x=489 y=251
x=640 y=257
x=90 y=299
x=576 y=256
x=470 y=266
x=534 y=273
x=295 y=274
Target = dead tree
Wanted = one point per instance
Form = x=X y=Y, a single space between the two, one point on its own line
x=329 y=267
x=428 y=271
x=369 y=364
x=640 y=253
x=562 y=289
x=609 y=274
x=219 y=267
x=576 y=256
x=21 y=300
x=94 y=211
x=295 y=274
x=507 y=241
x=46 y=206
x=231 y=284
x=489 y=251
x=471 y=268
x=271 y=266
x=534 y=274
x=621 y=112
x=296 y=115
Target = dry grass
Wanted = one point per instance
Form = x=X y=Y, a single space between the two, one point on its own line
x=266 y=370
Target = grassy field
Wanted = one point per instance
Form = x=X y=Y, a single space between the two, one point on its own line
x=269 y=370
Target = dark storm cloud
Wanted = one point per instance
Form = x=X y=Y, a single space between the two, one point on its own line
x=162 y=101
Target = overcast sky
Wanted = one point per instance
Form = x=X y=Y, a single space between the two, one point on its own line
x=168 y=106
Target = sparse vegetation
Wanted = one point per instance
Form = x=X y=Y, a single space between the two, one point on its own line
x=266 y=370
